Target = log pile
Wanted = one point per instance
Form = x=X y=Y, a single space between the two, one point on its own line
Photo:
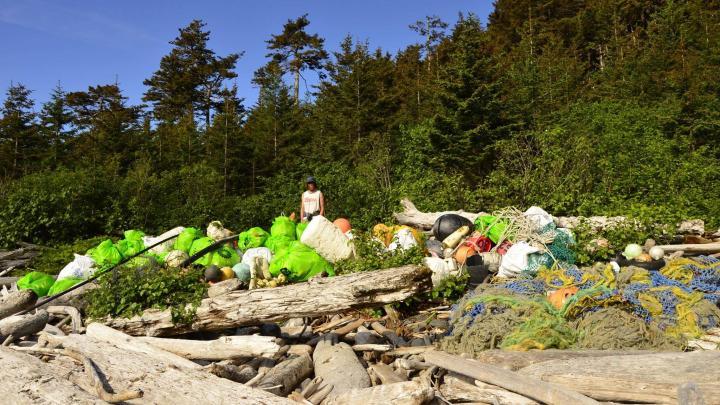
x=312 y=343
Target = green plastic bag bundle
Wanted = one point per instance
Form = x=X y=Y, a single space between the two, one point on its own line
x=299 y=262
x=489 y=226
x=252 y=238
x=132 y=244
x=186 y=238
x=105 y=254
x=276 y=243
x=300 y=228
x=39 y=282
x=283 y=226
x=62 y=285
x=200 y=244
x=225 y=257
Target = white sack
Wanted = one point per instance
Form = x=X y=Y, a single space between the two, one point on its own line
x=403 y=239
x=81 y=267
x=539 y=216
x=165 y=246
x=327 y=240
x=441 y=268
x=516 y=259
x=250 y=255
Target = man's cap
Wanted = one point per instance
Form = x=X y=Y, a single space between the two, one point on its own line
x=310 y=179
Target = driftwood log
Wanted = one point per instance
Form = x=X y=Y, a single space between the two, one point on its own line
x=698 y=248
x=456 y=389
x=530 y=387
x=133 y=367
x=406 y=393
x=514 y=361
x=411 y=216
x=16 y=302
x=287 y=375
x=318 y=297
x=226 y=347
x=635 y=378
x=28 y=380
x=18 y=326
x=338 y=366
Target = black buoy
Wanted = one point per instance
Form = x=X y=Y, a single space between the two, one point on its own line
x=449 y=223
x=212 y=274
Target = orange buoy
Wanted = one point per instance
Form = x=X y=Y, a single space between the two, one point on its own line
x=463 y=252
x=343 y=224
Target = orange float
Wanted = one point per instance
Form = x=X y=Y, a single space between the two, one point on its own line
x=463 y=252
x=343 y=224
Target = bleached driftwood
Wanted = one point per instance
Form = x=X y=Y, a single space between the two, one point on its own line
x=527 y=386
x=226 y=347
x=455 y=389
x=405 y=393
x=318 y=297
x=122 y=341
x=339 y=366
x=698 y=248
x=16 y=302
x=411 y=216
x=28 y=380
x=18 y=326
x=385 y=374
x=635 y=378
x=72 y=312
x=161 y=379
x=514 y=361
x=20 y=257
x=284 y=377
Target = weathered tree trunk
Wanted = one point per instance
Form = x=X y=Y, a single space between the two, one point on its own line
x=405 y=393
x=16 y=302
x=455 y=389
x=530 y=387
x=28 y=380
x=424 y=220
x=23 y=325
x=284 y=377
x=635 y=378
x=698 y=248
x=223 y=348
x=339 y=366
x=316 y=298
x=514 y=361
x=130 y=365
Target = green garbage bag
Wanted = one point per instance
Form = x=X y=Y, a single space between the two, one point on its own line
x=186 y=238
x=300 y=228
x=106 y=254
x=62 y=285
x=299 y=262
x=489 y=226
x=283 y=226
x=142 y=262
x=39 y=282
x=225 y=257
x=275 y=243
x=132 y=244
x=252 y=238
x=200 y=244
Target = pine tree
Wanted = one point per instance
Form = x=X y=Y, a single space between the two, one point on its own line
x=17 y=130
x=55 y=119
x=190 y=78
x=106 y=125
x=295 y=51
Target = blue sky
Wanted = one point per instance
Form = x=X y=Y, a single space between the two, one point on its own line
x=81 y=43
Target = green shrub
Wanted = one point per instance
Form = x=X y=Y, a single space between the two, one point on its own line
x=128 y=291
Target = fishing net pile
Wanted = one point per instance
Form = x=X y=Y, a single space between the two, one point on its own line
x=562 y=306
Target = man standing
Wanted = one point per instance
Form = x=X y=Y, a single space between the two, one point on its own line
x=312 y=201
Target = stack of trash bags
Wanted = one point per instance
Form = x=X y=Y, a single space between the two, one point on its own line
x=601 y=307
x=295 y=251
